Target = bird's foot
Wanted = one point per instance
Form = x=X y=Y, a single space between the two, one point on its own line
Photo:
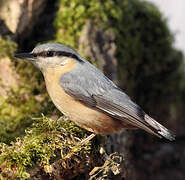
x=81 y=143
x=87 y=139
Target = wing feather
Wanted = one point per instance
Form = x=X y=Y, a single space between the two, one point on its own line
x=97 y=91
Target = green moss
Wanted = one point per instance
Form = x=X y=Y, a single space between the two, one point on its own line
x=45 y=141
x=72 y=16
x=15 y=115
x=7 y=48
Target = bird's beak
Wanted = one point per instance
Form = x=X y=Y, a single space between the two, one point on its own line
x=28 y=56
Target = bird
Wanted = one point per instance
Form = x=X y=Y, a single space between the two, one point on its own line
x=84 y=94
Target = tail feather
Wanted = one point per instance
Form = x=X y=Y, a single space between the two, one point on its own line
x=158 y=129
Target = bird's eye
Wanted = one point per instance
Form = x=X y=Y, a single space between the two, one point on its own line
x=49 y=53
x=34 y=55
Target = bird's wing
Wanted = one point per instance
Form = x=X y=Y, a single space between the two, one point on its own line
x=99 y=92
x=120 y=106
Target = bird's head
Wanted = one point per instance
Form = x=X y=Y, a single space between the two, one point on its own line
x=50 y=55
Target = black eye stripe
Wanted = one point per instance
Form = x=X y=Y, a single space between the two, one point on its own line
x=57 y=53
x=45 y=54
x=68 y=54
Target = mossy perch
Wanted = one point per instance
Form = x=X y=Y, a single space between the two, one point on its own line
x=50 y=148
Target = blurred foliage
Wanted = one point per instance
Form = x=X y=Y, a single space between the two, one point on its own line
x=72 y=16
x=7 y=48
x=148 y=63
x=15 y=115
x=44 y=142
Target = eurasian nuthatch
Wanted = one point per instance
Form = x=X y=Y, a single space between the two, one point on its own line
x=84 y=94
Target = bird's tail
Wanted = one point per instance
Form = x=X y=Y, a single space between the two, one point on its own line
x=158 y=129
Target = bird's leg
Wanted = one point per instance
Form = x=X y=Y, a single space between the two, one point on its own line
x=84 y=141
x=87 y=139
